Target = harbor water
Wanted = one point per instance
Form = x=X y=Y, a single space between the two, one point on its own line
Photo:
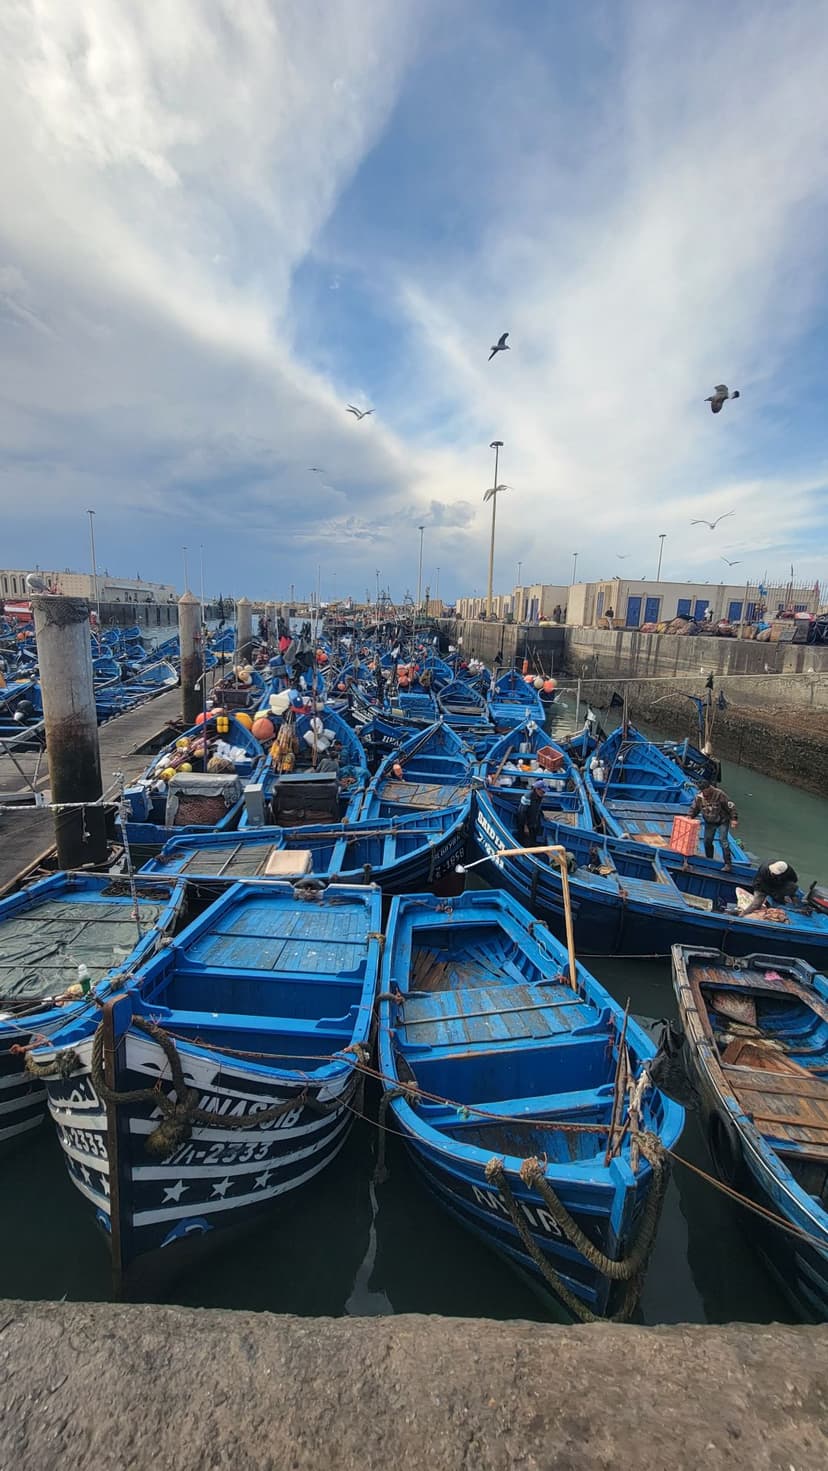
x=348 y=1246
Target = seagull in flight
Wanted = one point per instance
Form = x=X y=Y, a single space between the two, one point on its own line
x=731 y=564
x=622 y=556
x=713 y=524
x=720 y=393
x=500 y=346
x=359 y=413
x=316 y=470
x=494 y=490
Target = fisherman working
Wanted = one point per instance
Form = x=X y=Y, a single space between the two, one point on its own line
x=718 y=815
x=776 y=882
x=529 y=814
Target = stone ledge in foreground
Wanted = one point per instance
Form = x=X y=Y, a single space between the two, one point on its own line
x=165 y=1387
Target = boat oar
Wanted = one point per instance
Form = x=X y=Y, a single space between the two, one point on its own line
x=556 y=851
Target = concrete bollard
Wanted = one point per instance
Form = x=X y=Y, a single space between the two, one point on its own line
x=244 y=622
x=272 y=611
x=189 y=636
x=64 y=654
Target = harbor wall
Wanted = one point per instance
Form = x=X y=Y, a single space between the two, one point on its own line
x=617 y=652
x=508 y=643
x=148 y=1387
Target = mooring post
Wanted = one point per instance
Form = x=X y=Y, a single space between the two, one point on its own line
x=272 y=612
x=64 y=654
x=244 y=620
x=189 y=636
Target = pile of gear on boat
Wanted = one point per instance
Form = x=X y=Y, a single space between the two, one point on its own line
x=300 y=927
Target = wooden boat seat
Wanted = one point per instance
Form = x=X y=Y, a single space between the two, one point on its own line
x=785 y=1102
x=493 y=1014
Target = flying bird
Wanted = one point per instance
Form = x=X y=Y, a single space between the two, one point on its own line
x=493 y=490
x=713 y=524
x=360 y=413
x=316 y=470
x=500 y=346
x=720 y=393
x=622 y=556
x=731 y=564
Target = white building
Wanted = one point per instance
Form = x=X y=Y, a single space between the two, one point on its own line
x=82 y=585
x=631 y=604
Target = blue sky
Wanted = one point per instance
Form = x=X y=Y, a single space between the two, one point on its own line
x=222 y=223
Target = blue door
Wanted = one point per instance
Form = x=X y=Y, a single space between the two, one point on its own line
x=683 y=608
x=633 y=612
x=600 y=607
x=701 y=608
x=651 y=608
x=734 y=612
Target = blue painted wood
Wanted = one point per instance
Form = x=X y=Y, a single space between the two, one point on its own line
x=512 y=701
x=269 y=998
x=484 y=1023
x=646 y=900
x=65 y=921
x=764 y=1102
x=434 y=770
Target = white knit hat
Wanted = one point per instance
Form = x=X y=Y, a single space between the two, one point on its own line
x=778 y=867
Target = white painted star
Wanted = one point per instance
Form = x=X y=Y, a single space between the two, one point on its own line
x=85 y=1175
x=174 y=1192
x=262 y=1180
x=222 y=1187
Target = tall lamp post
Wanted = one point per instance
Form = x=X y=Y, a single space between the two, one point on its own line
x=491 y=495
x=574 y=565
x=421 y=529
x=91 y=515
x=437 y=586
x=661 y=538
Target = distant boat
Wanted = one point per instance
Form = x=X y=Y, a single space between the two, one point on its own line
x=64 y=935
x=464 y=708
x=491 y=1058
x=512 y=701
x=756 y=1045
x=232 y=1060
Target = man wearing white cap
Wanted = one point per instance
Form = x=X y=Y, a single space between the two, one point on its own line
x=775 y=881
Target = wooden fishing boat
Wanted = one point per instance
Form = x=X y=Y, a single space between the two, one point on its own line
x=223 y=1077
x=525 y=756
x=756 y=1046
x=393 y=853
x=430 y=771
x=512 y=701
x=314 y=775
x=464 y=708
x=198 y=800
x=495 y=1050
x=60 y=937
x=631 y=899
x=643 y=793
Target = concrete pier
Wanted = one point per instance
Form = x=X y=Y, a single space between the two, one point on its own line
x=157 y=1387
x=244 y=619
x=189 y=628
x=67 y=685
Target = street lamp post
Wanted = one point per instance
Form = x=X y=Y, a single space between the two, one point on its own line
x=91 y=515
x=574 y=565
x=496 y=445
x=661 y=538
x=186 y=570
x=421 y=529
x=437 y=586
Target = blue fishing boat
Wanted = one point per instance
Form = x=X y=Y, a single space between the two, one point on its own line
x=464 y=708
x=756 y=1047
x=394 y=853
x=631 y=899
x=512 y=701
x=637 y=791
x=59 y=938
x=525 y=756
x=223 y=1077
x=195 y=783
x=506 y=1066
x=431 y=770
x=317 y=768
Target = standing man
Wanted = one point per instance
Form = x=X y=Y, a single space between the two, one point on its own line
x=718 y=815
x=529 y=814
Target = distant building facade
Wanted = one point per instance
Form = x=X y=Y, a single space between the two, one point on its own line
x=82 y=585
x=634 y=603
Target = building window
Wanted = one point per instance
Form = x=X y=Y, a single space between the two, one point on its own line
x=683 y=608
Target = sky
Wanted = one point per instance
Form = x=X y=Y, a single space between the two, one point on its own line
x=222 y=223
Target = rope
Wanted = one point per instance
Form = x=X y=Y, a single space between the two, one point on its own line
x=630 y=1270
x=411 y=1096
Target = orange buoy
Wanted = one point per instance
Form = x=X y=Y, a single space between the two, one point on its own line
x=397 y=770
x=525 y=666
x=200 y=718
x=264 y=729
x=242 y=718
